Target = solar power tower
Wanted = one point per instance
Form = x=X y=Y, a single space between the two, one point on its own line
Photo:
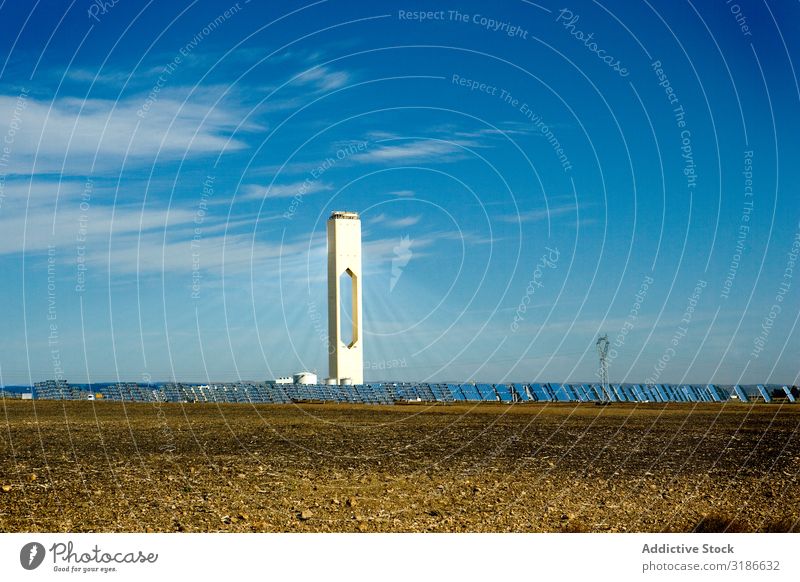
x=345 y=353
x=602 y=352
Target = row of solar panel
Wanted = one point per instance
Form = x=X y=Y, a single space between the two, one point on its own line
x=270 y=392
x=6 y=395
x=590 y=393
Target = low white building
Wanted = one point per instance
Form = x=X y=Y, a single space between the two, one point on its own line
x=298 y=378
x=305 y=378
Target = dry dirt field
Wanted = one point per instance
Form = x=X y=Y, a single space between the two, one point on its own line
x=104 y=466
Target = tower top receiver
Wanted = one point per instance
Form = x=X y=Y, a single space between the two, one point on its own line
x=344 y=214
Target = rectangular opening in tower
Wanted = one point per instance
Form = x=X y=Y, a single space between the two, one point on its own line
x=348 y=301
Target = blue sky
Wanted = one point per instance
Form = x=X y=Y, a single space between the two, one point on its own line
x=529 y=176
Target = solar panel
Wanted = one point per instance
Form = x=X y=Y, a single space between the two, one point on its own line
x=471 y=393
x=673 y=394
x=627 y=391
x=391 y=389
x=521 y=392
x=425 y=393
x=617 y=390
x=655 y=392
x=702 y=393
x=407 y=392
x=278 y=394
x=571 y=392
x=789 y=394
x=540 y=393
x=652 y=394
x=580 y=392
x=381 y=394
x=365 y=393
x=446 y=393
x=487 y=392
x=588 y=392
x=438 y=391
x=712 y=390
x=608 y=390
x=334 y=393
x=402 y=392
x=764 y=393
x=319 y=392
x=362 y=394
x=662 y=393
x=559 y=393
x=691 y=396
x=740 y=393
x=504 y=392
x=597 y=391
x=455 y=390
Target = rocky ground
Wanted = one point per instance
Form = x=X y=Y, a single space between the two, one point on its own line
x=103 y=466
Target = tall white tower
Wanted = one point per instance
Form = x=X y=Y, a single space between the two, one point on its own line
x=345 y=353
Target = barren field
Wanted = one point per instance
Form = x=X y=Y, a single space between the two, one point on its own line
x=104 y=466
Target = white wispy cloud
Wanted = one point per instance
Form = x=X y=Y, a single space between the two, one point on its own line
x=377 y=219
x=106 y=77
x=127 y=238
x=429 y=150
x=387 y=220
x=236 y=253
x=37 y=214
x=302 y=188
x=404 y=222
x=76 y=137
x=323 y=78
x=540 y=214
